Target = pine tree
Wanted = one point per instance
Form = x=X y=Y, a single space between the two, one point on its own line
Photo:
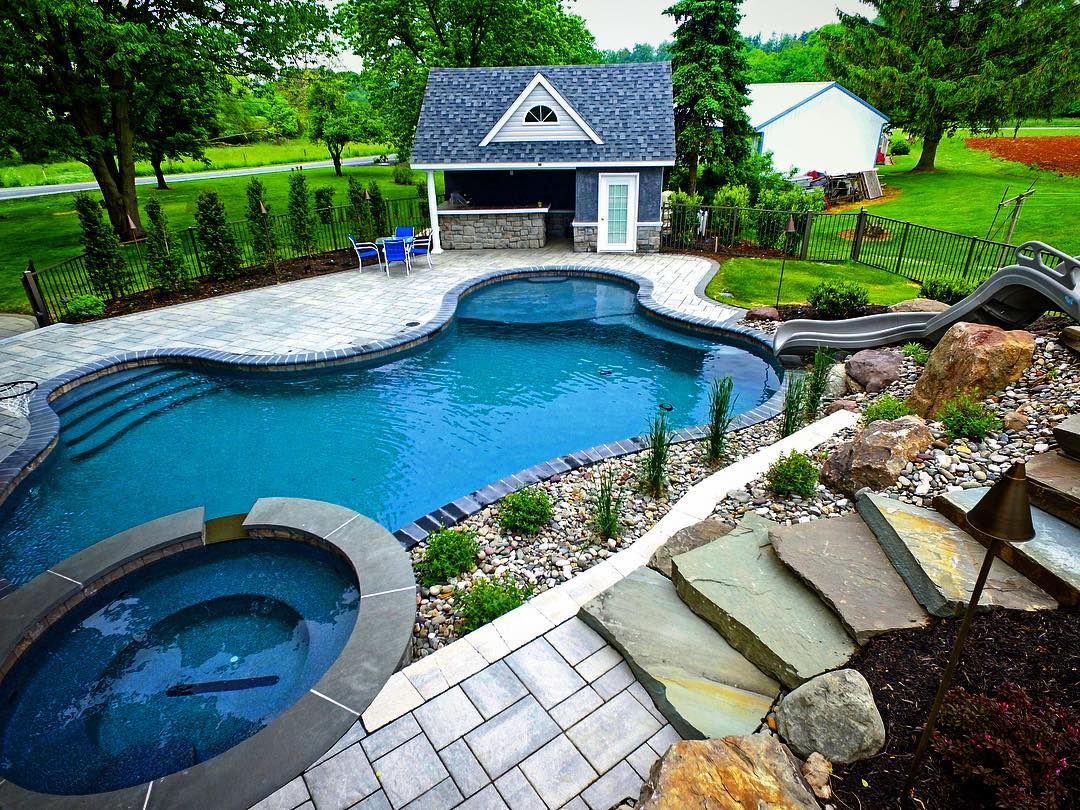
x=378 y=209
x=709 y=69
x=264 y=242
x=109 y=274
x=301 y=217
x=165 y=267
x=361 y=211
x=324 y=204
x=217 y=245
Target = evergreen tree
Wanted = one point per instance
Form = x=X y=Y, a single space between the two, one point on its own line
x=937 y=66
x=105 y=265
x=217 y=245
x=301 y=217
x=264 y=242
x=708 y=64
x=324 y=204
x=378 y=209
x=164 y=265
x=361 y=211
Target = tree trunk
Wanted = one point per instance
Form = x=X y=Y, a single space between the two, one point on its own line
x=131 y=227
x=692 y=165
x=336 y=157
x=931 y=139
x=156 y=163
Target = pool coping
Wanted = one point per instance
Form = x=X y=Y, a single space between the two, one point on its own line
x=242 y=775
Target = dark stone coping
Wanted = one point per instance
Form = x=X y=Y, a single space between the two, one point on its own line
x=45 y=424
x=264 y=762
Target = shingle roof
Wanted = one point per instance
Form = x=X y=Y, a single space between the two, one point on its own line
x=629 y=106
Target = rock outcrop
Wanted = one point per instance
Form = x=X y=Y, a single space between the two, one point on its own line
x=763 y=314
x=877 y=455
x=872 y=370
x=919 y=305
x=833 y=714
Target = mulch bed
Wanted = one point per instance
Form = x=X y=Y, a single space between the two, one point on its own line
x=1058 y=153
x=710 y=249
x=789 y=312
x=1038 y=651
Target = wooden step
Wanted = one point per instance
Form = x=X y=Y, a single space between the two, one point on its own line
x=1054 y=485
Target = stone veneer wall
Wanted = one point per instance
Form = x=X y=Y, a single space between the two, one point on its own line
x=648 y=239
x=479 y=231
x=585 y=239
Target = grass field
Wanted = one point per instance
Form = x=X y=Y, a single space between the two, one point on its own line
x=297 y=150
x=45 y=228
x=753 y=282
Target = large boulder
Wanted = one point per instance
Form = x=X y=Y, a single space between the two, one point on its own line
x=872 y=371
x=833 y=714
x=686 y=540
x=763 y=314
x=733 y=773
x=971 y=358
x=919 y=305
x=877 y=455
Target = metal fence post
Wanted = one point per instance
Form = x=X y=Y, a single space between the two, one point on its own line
x=903 y=244
x=33 y=293
x=970 y=254
x=860 y=229
x=804 y=249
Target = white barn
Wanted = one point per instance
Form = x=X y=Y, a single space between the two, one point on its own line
x=815 y=126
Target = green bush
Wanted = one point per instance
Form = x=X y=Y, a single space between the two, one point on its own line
x=729 y=223
x=793 y=474
x=839 y=299
x=967 y=418
x=653 y=477
x=402 y=175
x=817 y=380
x=776 y=206
x=899 y=145
x=449 y=552
x=83 y=307
x=488 y=599
x=794 y=405
x=885 y=407
x=684 y=218
x=721 y=415
x=163 y=265
x=917 y=352
x=947 y=291
x=605 y=506
x=525 y=511
x=217 y=245
x=105 y=266
x=362 y=212
x=264 y=243
x=378 y=209
x=324 y=204
x=301 y=217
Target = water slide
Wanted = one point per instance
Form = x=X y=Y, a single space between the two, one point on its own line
x=1012 y=298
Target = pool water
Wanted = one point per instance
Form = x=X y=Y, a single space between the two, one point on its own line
x=527 y=371
x=174 y=664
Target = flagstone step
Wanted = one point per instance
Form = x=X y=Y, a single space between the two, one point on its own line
x=1051 y=559
x=940 y=562
x=1054 y=485
x=701 y=684
x=740 y=587
x=1067 y=433
x=842 y=562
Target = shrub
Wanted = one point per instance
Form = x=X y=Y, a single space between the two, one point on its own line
x=885 y=407
x=605 y=506
x=966 y=418
x=947 y=291
x=653 y=477
x=83 y=307
x=721 y=415
x=217 y=245
x=449 y=552
x=105 y=265
x=917 y=352
x=361 y=211
x=324 y=204
x=264 y=244
x=794 y=405
x=1007 y=752
x=301 y=219
x=898 y=145
x=817 y=381
x=402 y=175
x=162 y=264
x=378 y=209
x=777 y=205
x=488 y=599
x=685 y=210
x=793 y=474
x=839 y=299
x=525 y=511
x=728 y=224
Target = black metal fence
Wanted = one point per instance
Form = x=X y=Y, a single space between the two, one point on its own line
x=50 y=289
x=913 y=251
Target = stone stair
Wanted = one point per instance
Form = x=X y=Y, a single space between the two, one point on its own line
x=1054 y=485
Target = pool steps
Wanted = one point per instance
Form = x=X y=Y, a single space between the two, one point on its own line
x=92 y=390
x=102 y=401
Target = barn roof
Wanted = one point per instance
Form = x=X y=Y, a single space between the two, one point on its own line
x=773 y=100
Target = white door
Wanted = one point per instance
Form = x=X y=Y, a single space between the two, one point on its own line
x=617 y=209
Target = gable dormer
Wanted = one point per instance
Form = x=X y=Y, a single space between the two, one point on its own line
x=540 y=113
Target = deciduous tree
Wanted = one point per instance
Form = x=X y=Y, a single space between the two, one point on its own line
x=335 y=120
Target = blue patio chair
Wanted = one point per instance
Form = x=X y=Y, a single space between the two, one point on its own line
x=365 y=250
x=404 y=231
x=421 y=246
x=396 y=250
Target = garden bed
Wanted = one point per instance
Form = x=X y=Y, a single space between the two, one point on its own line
x=1058 y=153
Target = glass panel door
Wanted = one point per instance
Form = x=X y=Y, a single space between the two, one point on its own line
x=618 y=211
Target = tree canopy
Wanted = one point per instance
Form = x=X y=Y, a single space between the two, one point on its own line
x=334 y=119
x=937 y=66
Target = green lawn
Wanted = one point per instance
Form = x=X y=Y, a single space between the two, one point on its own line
x=45 y=228
x=752 y=282
x=297 y=150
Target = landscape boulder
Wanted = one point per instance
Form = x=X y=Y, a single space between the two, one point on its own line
x=1070 y=338
x=732 y=773
x=686 y=540
x=872 y=370
x=763 y=314
x=1014 y=420
x=836 y=382
x=842 y=405
x=833 y=714
x=971 y=358
x=877 y=455
x=817 y=771
x=919 y=305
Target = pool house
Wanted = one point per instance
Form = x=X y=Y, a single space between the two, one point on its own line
x=538 y=155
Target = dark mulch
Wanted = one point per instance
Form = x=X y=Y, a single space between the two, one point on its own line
x=1039 y=651
x=712 y=249
x=789 y=312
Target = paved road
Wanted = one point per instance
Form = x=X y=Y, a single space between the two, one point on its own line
x=63 y=188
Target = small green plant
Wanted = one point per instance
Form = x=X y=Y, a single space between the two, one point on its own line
x=605 y=506
x=525 y=511
x=885 y=406
x=163 y=265
x=301 y=218
x=488 y=599
x=947 y=291
x=794 y=405
x=324 y=204
x=817 y=380
x=449 y=552
x=402 y=175
x=109 y=274
x=966 y=418
x=839 y=299
x=264 y=243
x=917 y=352
x=721 y=414
x=653 y=477
x=793 y=474
x=217 y=245
x=83 y=307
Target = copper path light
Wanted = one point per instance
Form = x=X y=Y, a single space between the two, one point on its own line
x=789 y=229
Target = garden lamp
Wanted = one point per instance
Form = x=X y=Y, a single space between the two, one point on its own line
x=789 y=229
x=1003 y=515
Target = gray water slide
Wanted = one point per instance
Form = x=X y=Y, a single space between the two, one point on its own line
x=1012 y=298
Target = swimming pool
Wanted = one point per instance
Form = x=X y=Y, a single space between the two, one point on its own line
x=173 y=664
x=529 y=370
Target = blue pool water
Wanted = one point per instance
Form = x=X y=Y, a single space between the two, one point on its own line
x=527 y=371
x=88 y=709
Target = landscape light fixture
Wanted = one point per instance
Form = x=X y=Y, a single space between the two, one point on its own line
x=789 y=229
x=1003 y=515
